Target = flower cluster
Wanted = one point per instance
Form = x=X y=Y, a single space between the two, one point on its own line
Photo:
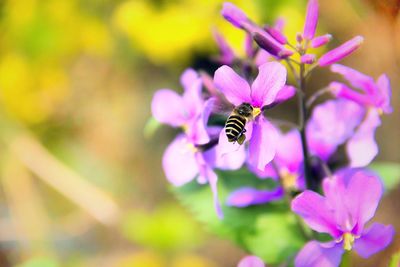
x=303 y=160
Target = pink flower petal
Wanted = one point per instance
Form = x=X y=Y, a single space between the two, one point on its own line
x=270 y=80
x=362 y=148
x=188 y=77
x=355 y=78
x=179 y=162
x=315 y=254
x=374 y=239
x=289 y=152
x=262 y=145
x=168 y=107
x=315 y=211
x=354 y=195
x=363 y=194
x=235 y=88
x=341 y=90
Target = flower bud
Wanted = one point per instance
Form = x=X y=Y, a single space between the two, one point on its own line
x=277 y=35
x=272 y=46
x=307 y=58
x=311 y=20
x=320 y=40
x=234 y=15
x=340 y=52
x=299 y=38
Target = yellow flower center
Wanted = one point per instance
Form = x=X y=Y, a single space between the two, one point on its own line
x=256 y=112
x=288 y=179
x=191 y=147
x=185 y=128
x=348 y=241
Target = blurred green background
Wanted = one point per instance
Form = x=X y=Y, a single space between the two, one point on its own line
x=81 y=183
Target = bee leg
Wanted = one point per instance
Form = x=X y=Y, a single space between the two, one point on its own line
x=241 y=139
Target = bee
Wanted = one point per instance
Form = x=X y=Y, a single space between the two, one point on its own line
x=236 y=122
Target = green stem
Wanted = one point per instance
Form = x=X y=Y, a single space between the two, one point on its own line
x=302 y=124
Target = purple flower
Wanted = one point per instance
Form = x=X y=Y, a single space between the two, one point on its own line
x=184 y=111
x=251 y=261
x=184 y=159
x=350 y=201
x=340 y=52
x=311 y=22
x=375 y=98
x=331 y=124
x=369 y=93
x=263 y=92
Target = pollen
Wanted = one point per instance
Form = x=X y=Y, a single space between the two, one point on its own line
x=256 y=112
x=348 y=241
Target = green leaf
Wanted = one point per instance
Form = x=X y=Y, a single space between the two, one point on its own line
x=389 y=173
x=269 y=231
x=167 y=228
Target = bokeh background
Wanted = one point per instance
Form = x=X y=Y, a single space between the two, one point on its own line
x=80 y=162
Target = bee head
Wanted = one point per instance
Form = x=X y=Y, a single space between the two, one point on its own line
x=245 y=109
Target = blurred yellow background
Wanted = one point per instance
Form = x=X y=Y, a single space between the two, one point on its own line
x=80 y=183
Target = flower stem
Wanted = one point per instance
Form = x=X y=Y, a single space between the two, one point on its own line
x=302 y=124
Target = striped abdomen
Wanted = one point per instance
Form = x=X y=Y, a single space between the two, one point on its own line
x=234 y=127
